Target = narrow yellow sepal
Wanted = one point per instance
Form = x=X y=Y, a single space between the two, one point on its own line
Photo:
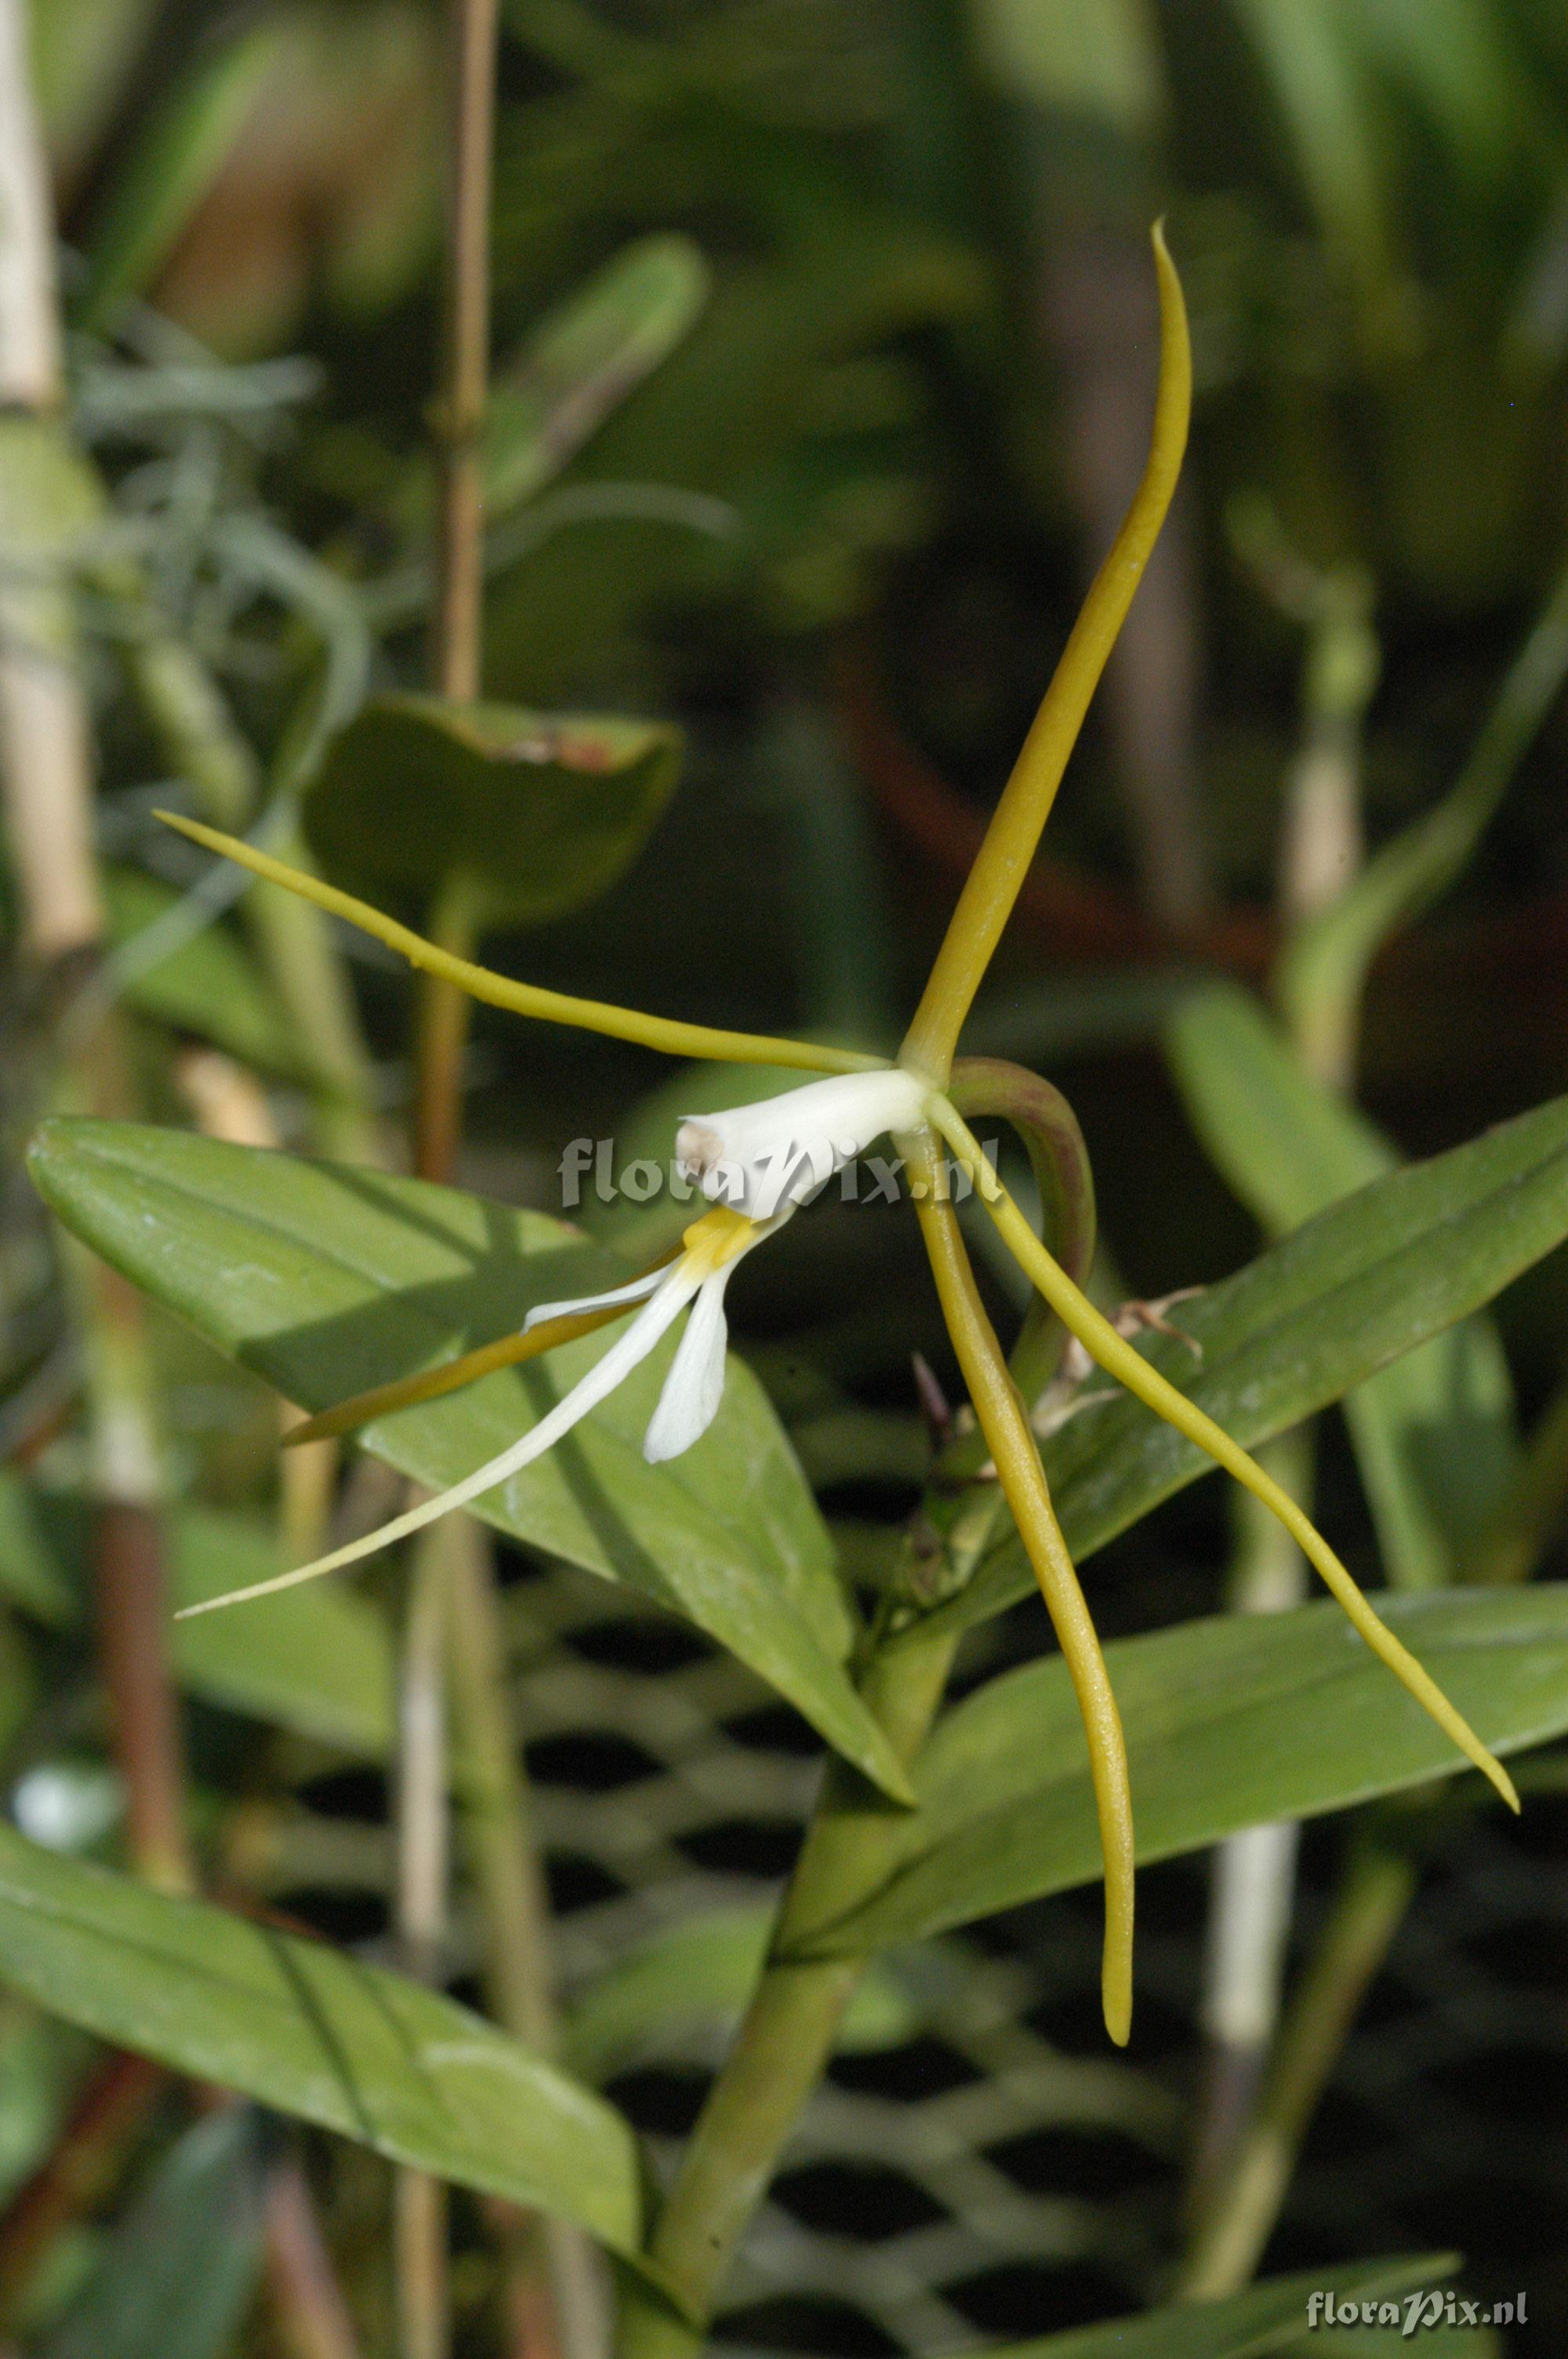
x=1002 y=861
x=667 y=1034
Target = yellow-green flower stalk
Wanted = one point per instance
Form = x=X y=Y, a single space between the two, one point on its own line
x=756 y=1164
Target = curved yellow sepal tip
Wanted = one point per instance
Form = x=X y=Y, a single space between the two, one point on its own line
x=1002 y=861
x=1115 y=1999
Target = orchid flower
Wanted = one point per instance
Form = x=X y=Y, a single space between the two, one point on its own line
x=757 y=1164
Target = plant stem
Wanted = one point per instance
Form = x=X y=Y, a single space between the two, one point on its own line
x=420 y=2231
x=419 y=2218
x=1351 y=1950
x=492 y=1789
x=458 y=618
x=1253 y=1889
x=1253 y=1882
x=46 y=764
x=187 y=713
x=313 y=2316
x=786 y=2036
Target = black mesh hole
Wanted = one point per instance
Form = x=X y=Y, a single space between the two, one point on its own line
x=577 y=1883
x=594 y=1763
x=1026 y=2298
x=745 y=1846
x=861 y=2201
x=661 y=2101
x=922 y=2068
x=1090 y=2163
x=830 y=2328
x=654 y=1647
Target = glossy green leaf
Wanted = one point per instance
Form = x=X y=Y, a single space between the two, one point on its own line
x=1255 y=2324
x=525 y=815
x=316 y=1660
x=180 y=2268
x=209 y=985
x=326 y=1281
x=1434 y=1433
x=1231 y=1721
x=697 y=1976
x=1368 y=1279
x=585 y=358
x=310 y=2031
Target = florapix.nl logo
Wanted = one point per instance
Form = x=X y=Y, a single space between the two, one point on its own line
x=596 y=1168
x=1426 y=2313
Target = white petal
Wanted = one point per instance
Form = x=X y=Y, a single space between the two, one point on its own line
x=695 y=1385
x=758 y=1159
x=635 y=1291
x=602 y=1379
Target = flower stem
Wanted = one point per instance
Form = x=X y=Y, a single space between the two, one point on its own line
x=1002 y=862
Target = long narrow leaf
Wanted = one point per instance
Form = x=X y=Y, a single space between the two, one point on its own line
x=302 y=2027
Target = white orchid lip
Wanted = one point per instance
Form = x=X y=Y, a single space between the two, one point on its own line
x=758 y=1159
x=689 y=1401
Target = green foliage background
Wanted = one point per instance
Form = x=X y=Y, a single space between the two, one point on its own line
x=824 y=348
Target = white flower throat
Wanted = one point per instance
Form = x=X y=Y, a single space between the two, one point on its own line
x=780 y=1151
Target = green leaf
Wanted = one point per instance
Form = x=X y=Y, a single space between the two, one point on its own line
x=1264 y=2320
x=310 y=2031
x=38 y=1550
x=697 y=1976
x=1370 y=1279
x=180 y=2269
x=1435 y=1432
x=710 y=430
x=528 y=815
x=1329 y=111
x=1230 y=1723
x=178 y=157
x=326 y=1281
x=210 y=985
x=584 y=359
x=316 y=1660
